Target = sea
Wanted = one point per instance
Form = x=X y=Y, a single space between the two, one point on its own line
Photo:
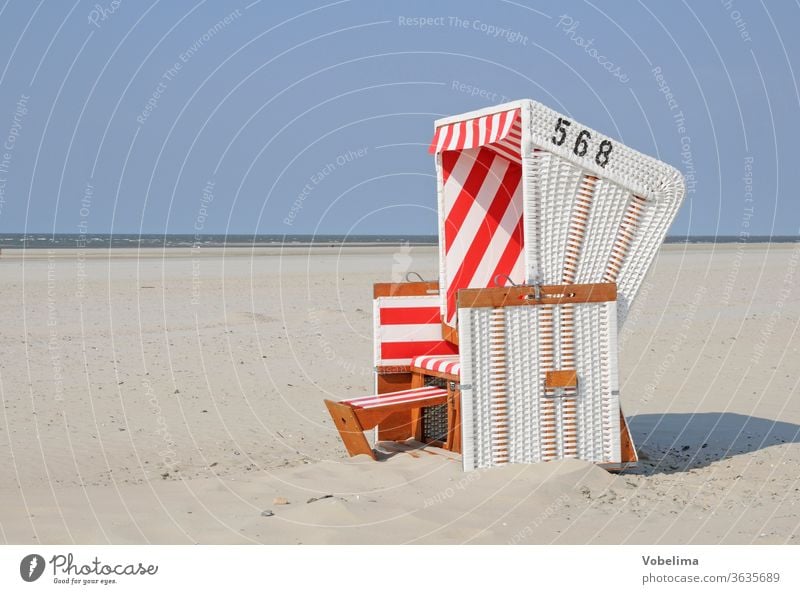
x=158 y=240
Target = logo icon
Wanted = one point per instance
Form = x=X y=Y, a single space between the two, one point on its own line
x=31 y=567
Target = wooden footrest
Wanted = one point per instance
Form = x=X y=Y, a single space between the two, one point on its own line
x=354 y=416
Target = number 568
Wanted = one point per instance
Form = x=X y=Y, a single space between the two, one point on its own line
x=581 y=145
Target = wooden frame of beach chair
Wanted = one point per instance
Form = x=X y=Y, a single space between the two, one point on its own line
x=406 y=325
x=527 y=195
x=448 y=369
x=402 y=394
x=354 y=416
x=407 y=329
x=539 y=376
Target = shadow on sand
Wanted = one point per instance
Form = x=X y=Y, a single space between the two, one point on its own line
x=676 y=442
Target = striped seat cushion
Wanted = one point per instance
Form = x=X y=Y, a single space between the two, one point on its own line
x=428 y=396
x=449 y=364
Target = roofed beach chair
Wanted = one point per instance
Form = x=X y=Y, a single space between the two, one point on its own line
x=546 y=231
x=528 y=196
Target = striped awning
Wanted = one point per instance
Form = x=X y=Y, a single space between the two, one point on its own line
x=501 y=132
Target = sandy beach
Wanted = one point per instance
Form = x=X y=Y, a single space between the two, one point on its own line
x=175 y=396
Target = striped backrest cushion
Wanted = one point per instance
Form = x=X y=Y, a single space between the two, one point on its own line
x=407 y=327
x=482 y=230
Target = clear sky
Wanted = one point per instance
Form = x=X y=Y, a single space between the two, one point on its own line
x=309 y=117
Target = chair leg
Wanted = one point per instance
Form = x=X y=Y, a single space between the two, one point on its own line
x=453 y=420
x=417 y=381
x=396 y=426
x=416 y=424
x=627 y=448
x=350 y=430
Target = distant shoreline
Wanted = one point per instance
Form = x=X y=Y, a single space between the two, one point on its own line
x=312 y=251
x=58 y=241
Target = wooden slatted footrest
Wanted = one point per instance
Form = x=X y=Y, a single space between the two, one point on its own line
x=354 y=416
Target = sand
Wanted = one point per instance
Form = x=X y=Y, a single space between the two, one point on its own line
x=176 y=397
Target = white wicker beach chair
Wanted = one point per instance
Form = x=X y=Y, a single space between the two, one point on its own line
x=529 y=196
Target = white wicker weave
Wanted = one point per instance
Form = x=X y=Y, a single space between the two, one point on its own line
x=508 y=414
x=592 y=211
x=591 y=205
x=629 y=204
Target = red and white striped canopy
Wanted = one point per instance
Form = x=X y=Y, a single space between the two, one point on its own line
x=501 y=132
x=482 y=227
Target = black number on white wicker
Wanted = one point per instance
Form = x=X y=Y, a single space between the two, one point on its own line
x=601 y=158
x=561 y=128
x=582 y=142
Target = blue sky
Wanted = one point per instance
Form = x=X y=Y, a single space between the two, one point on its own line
x=309 y=117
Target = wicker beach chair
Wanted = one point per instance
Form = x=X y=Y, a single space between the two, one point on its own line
x=529 y=196
x=572 y=221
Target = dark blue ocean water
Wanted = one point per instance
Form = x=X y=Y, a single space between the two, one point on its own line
x=103 y=240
